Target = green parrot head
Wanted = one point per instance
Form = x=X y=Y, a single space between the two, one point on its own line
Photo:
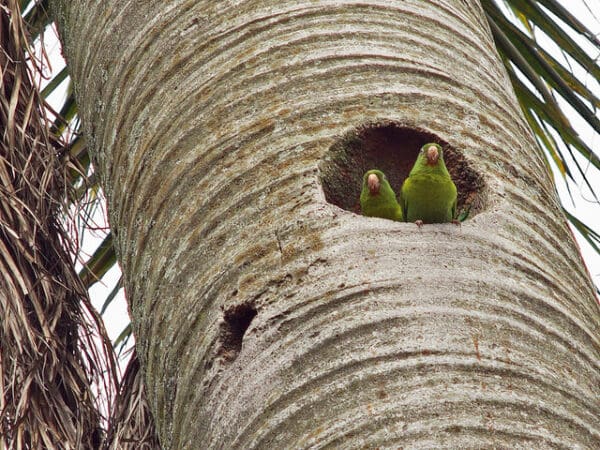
x=373 y=182
x=431 y=153
x=430 y=160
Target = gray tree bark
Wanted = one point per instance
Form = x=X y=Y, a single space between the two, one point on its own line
x=231 y=136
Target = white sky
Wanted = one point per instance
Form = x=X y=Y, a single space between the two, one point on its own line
x=583 y=205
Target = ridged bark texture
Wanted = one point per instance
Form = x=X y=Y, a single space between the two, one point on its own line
x=266 y=317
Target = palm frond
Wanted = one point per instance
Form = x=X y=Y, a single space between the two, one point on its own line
x=131 y=426
x=586 y=231
x=530 y=36
x=48 y=357
x=101 y=261
x=36 y=18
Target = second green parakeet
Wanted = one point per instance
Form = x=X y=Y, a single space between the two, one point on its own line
x=428 y=194
x=377 y=198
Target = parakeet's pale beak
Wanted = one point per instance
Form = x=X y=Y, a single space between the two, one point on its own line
x=373 y=183
x=432 y=155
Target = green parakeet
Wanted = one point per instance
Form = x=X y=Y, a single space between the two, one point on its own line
x=428 y=194
x=377 y=198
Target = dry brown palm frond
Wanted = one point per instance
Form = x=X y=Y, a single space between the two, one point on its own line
x=131 y=426
x=49 y=331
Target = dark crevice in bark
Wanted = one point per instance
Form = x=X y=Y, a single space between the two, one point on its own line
x=236 y=321
x=392 y=148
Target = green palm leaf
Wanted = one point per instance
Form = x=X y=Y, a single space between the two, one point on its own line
x=544 y=85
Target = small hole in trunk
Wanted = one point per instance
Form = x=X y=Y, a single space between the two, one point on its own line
x=236 y=321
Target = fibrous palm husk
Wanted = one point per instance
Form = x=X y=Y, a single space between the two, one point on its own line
x=53 y=348
x=131 y=426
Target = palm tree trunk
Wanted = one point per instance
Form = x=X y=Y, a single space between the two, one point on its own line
x=231 y=137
